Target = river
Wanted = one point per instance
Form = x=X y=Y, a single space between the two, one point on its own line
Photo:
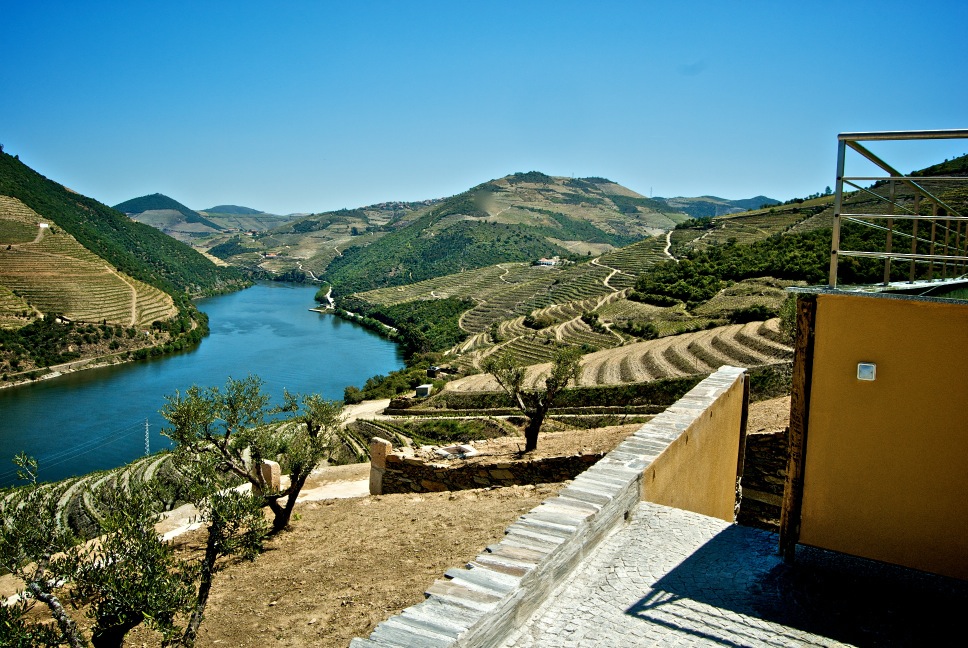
x=95 y=419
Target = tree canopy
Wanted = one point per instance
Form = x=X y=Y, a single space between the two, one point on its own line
x=534 y=403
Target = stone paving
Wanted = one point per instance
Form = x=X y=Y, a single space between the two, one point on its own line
x=675 y=578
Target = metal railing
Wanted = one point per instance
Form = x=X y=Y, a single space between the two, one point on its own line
x=931 y=226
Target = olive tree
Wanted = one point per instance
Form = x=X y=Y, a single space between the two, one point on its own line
x=230 y=430
x=35 y=549
x=127 y=577
x=130 y=575
x=534 y=403
x=236 y=527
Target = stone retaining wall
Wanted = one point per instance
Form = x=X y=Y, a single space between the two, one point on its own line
x=401 y=472
x=497 y=592
x=764 y=474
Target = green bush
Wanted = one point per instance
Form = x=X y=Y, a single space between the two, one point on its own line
x=755 y=313
x=653 y=299
x=643 y=330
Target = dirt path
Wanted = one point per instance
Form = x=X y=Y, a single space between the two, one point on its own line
x=372 y=409
x=133 y=320
x=41 y=231
x=668 y=246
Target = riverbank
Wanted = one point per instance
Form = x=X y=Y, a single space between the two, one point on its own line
x=55 y=371
x=79 y=421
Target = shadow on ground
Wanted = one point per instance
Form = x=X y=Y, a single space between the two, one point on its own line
x=842 y=598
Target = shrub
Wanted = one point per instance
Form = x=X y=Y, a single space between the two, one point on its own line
x=653 y=299
x=754 y=313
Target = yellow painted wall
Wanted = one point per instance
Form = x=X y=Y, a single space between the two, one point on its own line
x=697 y=471
x=886 y=474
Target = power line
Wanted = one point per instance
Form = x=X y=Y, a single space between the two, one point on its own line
x=69 y=454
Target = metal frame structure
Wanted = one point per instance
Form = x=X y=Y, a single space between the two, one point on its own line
x=948 y=241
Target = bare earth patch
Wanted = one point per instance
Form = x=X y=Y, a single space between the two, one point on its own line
x=769 y=416
x=348 y=564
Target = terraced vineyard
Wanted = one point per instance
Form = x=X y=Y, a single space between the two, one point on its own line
x=473 y=285
x=571 y=284
x=763 y=291
x=81 y=502
x=636 y=258
x=744 y=228
x=53 y=273
x=14 y=311
x=743 y=345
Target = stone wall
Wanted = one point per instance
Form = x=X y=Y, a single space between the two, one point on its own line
x=401 y=472
x=764 y=474
x=493 y=595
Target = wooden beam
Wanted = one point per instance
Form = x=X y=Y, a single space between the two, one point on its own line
x=799 y=419
x=741 y=459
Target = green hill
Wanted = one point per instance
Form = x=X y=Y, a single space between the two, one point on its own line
x=236 y=210
x=518 y=218
x=135 y=249
x=711 y=206
x=162 y=205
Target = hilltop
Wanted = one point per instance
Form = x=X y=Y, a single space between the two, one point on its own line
x=161 y=203
x=169 y=216
x=235 y=210
x=520 y=217
x=201 y=229
x=712 y=206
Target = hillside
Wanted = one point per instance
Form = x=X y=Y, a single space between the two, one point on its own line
x=235 y=210
x=171 y=217
x=161 y=203
x=202 y=229
x=309 y=242
x=704 y=288
x=48 y=271
x=518 y=218
x=711 y=206
x=137 y=250
x=81 y=281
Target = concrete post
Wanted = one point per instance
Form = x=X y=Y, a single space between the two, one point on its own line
x=379 y=449
x=271 y=475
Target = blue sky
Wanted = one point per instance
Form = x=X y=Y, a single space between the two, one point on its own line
x=311 y=106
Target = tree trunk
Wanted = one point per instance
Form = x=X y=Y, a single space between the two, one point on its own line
x=282 y=514
x=204 y=588
x=64 y=621
x=111 y=636
x=531 y=431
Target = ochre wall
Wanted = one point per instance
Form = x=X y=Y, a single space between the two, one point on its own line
x=886 y=474
x=697 y=471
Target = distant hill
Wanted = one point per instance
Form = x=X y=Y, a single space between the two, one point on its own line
x=954 y=167
x=159 y=206
x=236 y=210
x=521 y=217
x=712 y=206
x=137 y=250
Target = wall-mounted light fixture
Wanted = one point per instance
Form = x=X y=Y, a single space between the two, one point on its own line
x=866 y=371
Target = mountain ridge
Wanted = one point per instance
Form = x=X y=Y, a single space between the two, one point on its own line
x=530 y=215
